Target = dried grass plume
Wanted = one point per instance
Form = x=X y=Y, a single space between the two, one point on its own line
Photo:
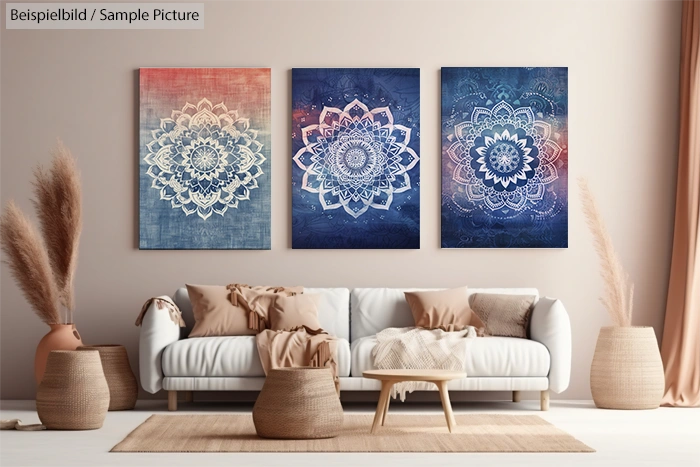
x=58 y=206
x=619 y=289
x=29 y=263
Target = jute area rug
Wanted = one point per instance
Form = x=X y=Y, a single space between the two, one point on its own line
x=401 y=433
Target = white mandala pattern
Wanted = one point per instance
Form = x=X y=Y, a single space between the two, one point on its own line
x=505 y=158
x=204 y=159
x=356 y=158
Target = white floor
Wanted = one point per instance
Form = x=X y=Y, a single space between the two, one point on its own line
x=663 y=437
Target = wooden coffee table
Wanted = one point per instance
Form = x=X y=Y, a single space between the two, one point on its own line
x=389 y=377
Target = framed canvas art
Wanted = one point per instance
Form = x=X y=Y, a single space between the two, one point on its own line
x=504 y=158
x=204 y=162
x=355 y=150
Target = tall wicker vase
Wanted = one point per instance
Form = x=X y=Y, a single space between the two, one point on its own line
x=60 y=337
x=123 y=389
x=298 y=403
x=73 y=394
x=627 y=372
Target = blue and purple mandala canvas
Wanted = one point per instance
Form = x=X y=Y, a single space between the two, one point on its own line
x=355 y=147
x=504 y=158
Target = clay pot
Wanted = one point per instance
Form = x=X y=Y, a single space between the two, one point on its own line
x=60 y=337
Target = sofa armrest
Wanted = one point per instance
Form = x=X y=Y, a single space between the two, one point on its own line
x=157 y=332
x=550 y=326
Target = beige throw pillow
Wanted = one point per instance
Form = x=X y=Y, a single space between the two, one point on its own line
x=504 y=315
x=287 y=313
x=214 y=314
x=447 y=309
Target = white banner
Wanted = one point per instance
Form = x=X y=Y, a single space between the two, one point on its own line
x=104 y=15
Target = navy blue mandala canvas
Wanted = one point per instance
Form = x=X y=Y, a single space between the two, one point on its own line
x=504 y=158
x=355 y=147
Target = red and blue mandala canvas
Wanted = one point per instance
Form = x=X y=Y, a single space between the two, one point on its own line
x=355 y=149
x=204 y=163
x=504 y=158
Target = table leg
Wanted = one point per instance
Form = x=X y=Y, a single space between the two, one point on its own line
x=386 y=405
x=446 y=406
x=379 y=414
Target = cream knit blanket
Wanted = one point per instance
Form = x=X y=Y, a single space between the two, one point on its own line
x=420 y=349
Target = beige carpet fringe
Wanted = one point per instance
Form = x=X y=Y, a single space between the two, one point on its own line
x=401 y=433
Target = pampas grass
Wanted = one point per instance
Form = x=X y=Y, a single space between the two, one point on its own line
x=29 y=263
x=58 y=207
x=44 y=270
x=619 y=289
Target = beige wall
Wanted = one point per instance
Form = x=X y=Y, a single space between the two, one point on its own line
x=82 y=86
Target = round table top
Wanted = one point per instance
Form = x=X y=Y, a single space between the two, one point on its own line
x=414 y=375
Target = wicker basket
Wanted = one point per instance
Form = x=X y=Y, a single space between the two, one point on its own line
x=298 y=403
x=627 y=372
x=73 y=394
x=123 y=388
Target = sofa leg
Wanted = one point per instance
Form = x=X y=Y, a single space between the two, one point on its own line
x=516 y=396
x=544 y=401
x=172 y=401
x=189 y=396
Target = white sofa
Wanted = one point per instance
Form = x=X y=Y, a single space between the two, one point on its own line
x=170 y=361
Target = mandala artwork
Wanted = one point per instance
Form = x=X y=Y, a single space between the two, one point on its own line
x=356 y=158
x=505 y=159
x=205 y=169
x=204 y=159
x=355 y=178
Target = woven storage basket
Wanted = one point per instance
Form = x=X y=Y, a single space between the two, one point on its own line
x=123 y=389
x=627 y=372
x=298 y=403
x=73 y=394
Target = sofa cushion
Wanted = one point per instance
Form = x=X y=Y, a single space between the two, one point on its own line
x=287 y=313
x=504 y=315
x=447 y=309
x=486 y=357
x=333 y=309
x=214 y=313
x=375 y=309
x=226 y=356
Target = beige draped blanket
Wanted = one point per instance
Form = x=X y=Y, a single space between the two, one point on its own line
x=162 y=302
x=297 y=348
x=420 y=349
x=257 y=300
x=16 y=424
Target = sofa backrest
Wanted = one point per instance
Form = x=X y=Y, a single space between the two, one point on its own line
x=360 y=313
x=333 y=309
x=375 y=309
